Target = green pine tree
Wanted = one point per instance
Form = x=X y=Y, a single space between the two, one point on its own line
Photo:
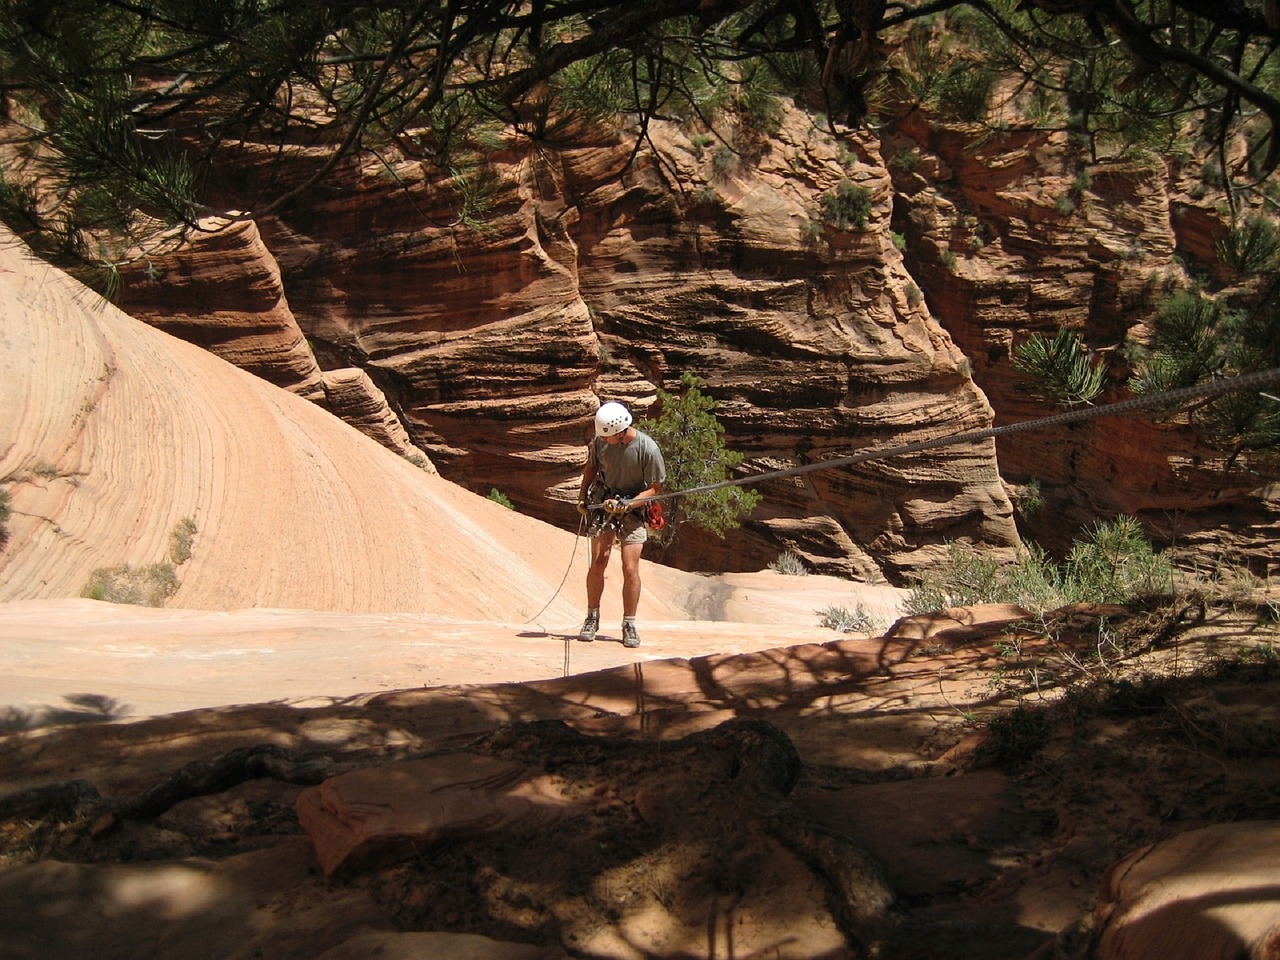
x=1195 y=339
x=692 y=442
x=1059 y=369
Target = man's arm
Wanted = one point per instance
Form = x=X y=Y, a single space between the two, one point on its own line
x=589 y=472
x=651 y=491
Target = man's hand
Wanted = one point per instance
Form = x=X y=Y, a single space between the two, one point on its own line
x=616 y=506
x=582 y=509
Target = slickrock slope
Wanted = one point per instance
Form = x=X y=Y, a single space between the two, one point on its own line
x=125 y=447
x=132 y=459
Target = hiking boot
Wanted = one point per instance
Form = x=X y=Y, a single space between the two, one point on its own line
x=589 y=628
x=629 y=636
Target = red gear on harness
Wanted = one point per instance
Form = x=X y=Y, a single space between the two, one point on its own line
x=653 y=518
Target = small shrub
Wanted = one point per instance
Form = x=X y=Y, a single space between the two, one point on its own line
x=148 y=586
x=846 y=206
x=1030 y=499
x=180 y=539
x=844 y=620
x=789 y=562
x=724 y=163
x=699 y=143
x=1115 y=564
x=906 y=160
x=966 y=578
x=45 y=470
x=1264 y=652
x=914 y=296
x=811 y=232
x=419 y=460
x=6 y=511
x=498 y=497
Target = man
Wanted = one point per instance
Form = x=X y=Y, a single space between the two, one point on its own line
x=627 y=468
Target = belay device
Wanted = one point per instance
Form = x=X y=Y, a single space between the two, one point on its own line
x=600 y=519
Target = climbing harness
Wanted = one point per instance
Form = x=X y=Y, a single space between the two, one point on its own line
x=599 y=516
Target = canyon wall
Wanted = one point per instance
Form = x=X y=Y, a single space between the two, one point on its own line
x=597 y=271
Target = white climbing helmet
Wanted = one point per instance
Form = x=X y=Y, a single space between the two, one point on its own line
x=612 y=418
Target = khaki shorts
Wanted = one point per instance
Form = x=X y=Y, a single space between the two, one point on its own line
x=633 y=528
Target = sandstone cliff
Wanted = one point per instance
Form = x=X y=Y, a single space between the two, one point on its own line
x=1018 y=235
x=601 y=272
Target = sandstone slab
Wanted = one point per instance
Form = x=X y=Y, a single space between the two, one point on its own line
x=387 y=813
x=1208 y=894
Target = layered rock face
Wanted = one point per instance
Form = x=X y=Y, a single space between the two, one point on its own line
x=222 y=291
x=1018 y=236
x=591 y=277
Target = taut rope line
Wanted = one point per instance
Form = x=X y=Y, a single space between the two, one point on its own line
x=1210 y=388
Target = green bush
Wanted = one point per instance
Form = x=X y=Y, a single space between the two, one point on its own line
x=180 y=539
x=1113 y=563
x=148 y=586
x=905 y=160
x=1030 y=499
x=6 y=511
x=420 y=461
x=497 y=496
x=789 y=562
x=844 y=620
x=692 y=442
x=846 y=206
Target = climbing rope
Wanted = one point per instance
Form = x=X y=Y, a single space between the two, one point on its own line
x=582 y=522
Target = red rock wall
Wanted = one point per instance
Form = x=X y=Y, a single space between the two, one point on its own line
x=1062 y=243
x=592 y=277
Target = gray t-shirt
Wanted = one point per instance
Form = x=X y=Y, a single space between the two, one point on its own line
x=629 y=468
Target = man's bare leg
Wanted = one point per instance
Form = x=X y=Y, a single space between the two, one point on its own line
x=631 y=578
x=601 y=547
